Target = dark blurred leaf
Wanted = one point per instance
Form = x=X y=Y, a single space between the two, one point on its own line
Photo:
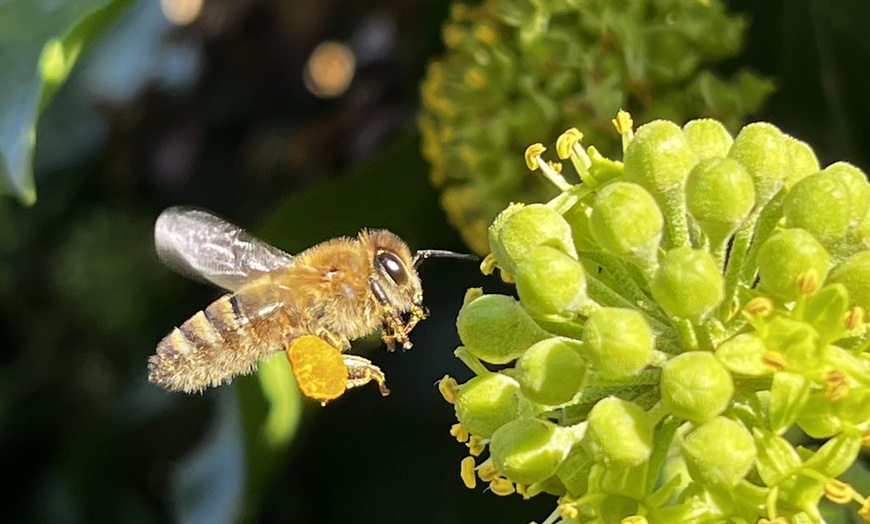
x=211 y=480
x=40 y=43
x=391 y=192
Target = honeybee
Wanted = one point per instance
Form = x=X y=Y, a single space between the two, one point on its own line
x=310 y=305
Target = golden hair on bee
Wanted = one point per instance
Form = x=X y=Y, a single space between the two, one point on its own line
x=339 y=290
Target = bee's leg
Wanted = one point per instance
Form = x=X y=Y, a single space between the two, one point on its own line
x=336 y=341
x=394 y=327
x=361 y=371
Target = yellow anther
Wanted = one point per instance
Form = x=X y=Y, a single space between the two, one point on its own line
x=777 y=520
x=452 y=35
x=475 y=79
x=459 y=12
x=466 y=471
x=836 y=385
x=759 y=307
x=459 y=431
x=623 y=122
x=569 y=510
x=502 y=487
x=522 y=490
x=865 y=438
x=776 y=360
x=448 y=387
x=488 y=265
x=864 y=512
x=634 y=519
x=487 y=472
x=506 y=277
x=470 y=157
x=854 y=318
x=809 y=282
x=486 y=33
x=471 y=294
x=839 y=492
x=476 y=445
x=555 y=166
x=533 y=156
x=565 y=142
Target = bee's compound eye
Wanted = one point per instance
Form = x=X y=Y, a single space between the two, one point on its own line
x=393 y=267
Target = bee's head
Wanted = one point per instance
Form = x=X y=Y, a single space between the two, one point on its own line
x=395 y=279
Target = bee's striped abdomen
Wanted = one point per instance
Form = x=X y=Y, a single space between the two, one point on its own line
x=214 y=345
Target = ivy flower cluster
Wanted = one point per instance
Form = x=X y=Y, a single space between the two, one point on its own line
x=516 y=70
x=690 y=341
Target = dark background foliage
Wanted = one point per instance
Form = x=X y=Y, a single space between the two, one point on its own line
x=216 y=114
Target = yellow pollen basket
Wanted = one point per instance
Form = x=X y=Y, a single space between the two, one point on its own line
x=319 y=368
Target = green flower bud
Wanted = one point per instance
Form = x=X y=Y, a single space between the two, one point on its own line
x=496 y=329
x=551 y=283
x=618 y=341
x=487 y=402
x=719 y=453
x=688 y=283
x=551 y=371
x=719 y=196
x=530 y=450
x=787 y=256
x=659 y=157
x=743 y=354
x=520 y=229
x=819 y=204
x=763 y=151
x=695 y=386
x=788 y=396
x=854 y=274
x=803 y=161
x=627 y=222
x=857 y=189
x=619 y=433
x=708 y=138
x=797 y=341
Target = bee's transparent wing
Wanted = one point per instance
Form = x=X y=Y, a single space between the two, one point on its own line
x=201 y=245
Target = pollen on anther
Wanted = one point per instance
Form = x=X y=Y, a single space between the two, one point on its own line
x=565 y=142
x=839 y=492
x=502 y=487
x=475 y=445
x=487 y=472
x=459 y=431
x=448 y=386
x=466 y=471
x=533 y=156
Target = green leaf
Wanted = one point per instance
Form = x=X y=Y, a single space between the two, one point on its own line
x=40 y=42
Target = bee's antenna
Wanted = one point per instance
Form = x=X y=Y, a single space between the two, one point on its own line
x=423 y=254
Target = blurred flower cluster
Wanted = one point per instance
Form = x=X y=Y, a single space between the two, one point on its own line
x=517 y=70
x=686 y=318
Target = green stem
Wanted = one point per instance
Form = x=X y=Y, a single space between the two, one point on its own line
x=471 y=361
x=628 y=286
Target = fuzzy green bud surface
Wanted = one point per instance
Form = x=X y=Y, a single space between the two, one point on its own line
x=530 y=450
x=619 y=433
x=815 y=204
x=719 y=452
x=550 y=282
x=854 y=275
x=618 y=341
x=627 y=222
x=496 y=328
x=487 y=402
x=786 y=257
x=719 y=195
x=551 y=371
x=688 y=284
x=695 y=386
x=525 y=228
